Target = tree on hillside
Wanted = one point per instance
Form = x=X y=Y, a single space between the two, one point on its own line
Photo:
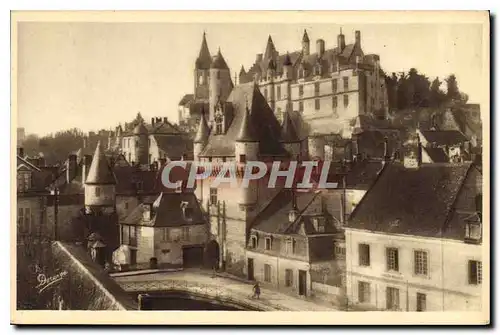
x=452 y=93
x=437 y=96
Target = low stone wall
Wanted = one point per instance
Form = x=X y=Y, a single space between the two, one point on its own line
x=66 y=278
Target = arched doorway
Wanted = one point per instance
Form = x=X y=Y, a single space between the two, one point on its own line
x=212 y=254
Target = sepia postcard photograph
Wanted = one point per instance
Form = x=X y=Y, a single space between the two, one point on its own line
x=205 y=168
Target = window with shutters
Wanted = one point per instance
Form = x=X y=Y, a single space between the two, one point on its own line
x=316 y=89
x=363 y=292
x=339 y=252
x=268 y=243
x=392 y=298
x=253 y=242
x=364 y=255
x=186 y=233
x=475 y=272
x=301 y=90
x=421 y=302
x=288 y=277
x=301 y=106
x=334 y=102
x=346 y=83
x=420 y=262
x=334 y=85
x=267 y=273
x=392 y=259
x=290 y=246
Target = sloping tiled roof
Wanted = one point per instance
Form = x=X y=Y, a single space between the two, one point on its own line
x=131 y=181
x=437 y=155
x=265 y=124
x=203 y=131
x=444 y=137
x=411 y=201
x=174 y=146
x=363 y=174
x=186 y=99
x=288 y=132
x=218 y=62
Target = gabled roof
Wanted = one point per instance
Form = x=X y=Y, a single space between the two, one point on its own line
x=174 y=147
x=444 y=137
x=411 y=201
x=437 y=155
x=167 y=211
x=262 y=118
x=100 y=171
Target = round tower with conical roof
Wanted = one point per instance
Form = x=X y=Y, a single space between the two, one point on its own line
x=221 y=84
x=290 y=137
x=201 y=138
x=246 y=148
x=100 y=183
x=141 y=145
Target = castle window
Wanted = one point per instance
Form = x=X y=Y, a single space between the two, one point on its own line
x=213 y=196
x=475 y=272
x=218 y=124
x=301 y=90
x=288 y=277
x=346 y=100
x=301 y=106
x=316 y=89
x=218 y=74
x=316 y=104
x=290 y=246
x=185 y=233
x=200 y=79
x=317 y=70
x=265 y=93
x=278 y=93
x=334 y=102
x=243 y=158
x=253 y=242
x=334 y=86
x=346 y=83
x=97 y=192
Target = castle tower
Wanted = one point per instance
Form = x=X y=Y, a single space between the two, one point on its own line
x=141 y=145
x=289 y=136
x=246 y=148
x=201 y=137
x=270 y=52
x=340 y=41
x=305 y=44
x=201 y=71
x=221 y=84
x=100 y=183
x=287 y=67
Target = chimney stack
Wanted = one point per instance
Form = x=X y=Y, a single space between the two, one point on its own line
x=20 y=152
x=358 y=38
x=258 y=58
x=71 y=166
x=341 y=41
x=152 y=121
x=320 y=47
x=165 y=119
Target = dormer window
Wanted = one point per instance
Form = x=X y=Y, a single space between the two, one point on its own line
x=317 y=70
x=319 y=225
x=253 y=241
x=268 y=243
x=187 y=211
x=147 y=215
x=290 y=246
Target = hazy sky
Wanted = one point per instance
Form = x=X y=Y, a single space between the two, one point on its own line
x=95 y=75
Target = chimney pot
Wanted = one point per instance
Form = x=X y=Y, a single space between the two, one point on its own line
x=358 y=37
x=320 y=47
x=165 y=119
x=152 y=121
x=20 y=152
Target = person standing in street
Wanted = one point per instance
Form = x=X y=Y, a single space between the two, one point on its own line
x=256 y=290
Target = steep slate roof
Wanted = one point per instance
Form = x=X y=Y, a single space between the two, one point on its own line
x=288 y=132
x=128 y=177
x=320 y=204
x=411 y=201
x=267 y=128
x=186 y=99
x=140 y=129
x=204 y=59
x=363 y=174
x=168 y=212
x=444 y=137
x=100 y=171
x=174 y=146
x=437 y=155
x=203 y=131
x=218 y=62
x=247 y=132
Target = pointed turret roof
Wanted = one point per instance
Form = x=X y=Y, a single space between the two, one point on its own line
x=270 y=49
x=218 y=62
x=204 y=59
x=246 y=133
x=305 y=38
x=288 y=131
x=203 y=130
x=271 y=65
x=100 y=172
x=242 y=71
